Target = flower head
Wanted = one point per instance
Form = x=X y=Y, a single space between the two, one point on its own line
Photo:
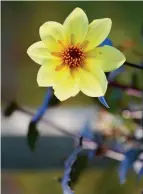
x=72 y=56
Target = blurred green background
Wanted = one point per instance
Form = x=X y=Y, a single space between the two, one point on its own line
x=20 y=28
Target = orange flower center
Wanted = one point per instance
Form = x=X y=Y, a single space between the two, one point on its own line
x=73 y=56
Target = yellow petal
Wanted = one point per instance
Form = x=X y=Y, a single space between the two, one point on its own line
x=98 y=30
x=48 y=76
x=51 y=33
x=92 y=85
x=62 y=75
x=110 y=58
x=38 y=52
x=45 y=76
x=94 y=66
x=66 y=89
x=54 y=29
x=76 y=26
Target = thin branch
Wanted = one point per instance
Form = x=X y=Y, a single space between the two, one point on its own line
x=90 y=144
x=130 y=90
x=110 y=153
x=134 y=65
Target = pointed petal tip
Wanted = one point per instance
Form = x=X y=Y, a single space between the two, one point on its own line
x=103 y=101
x=58 y=97
x=29 y=50
x=61 y=98
x=78 y=9
x=107 y=20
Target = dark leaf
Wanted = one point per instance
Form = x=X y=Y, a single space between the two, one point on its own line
x=12 y=106
x=32 y=135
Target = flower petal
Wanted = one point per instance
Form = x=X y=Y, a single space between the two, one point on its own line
x=98 y=30
x=103 y=101
x=93 y=66
x=110 y=57
x=45 y=76
x=51 y=33
x=62 y=75
x=91 y=85
x=38 y=52
x=49 y=76
x=66 y=89
x=76 y=26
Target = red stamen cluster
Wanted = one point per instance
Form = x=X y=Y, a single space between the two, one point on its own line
x=73 y=56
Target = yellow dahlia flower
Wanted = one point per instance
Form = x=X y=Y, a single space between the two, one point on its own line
x=71 y=58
